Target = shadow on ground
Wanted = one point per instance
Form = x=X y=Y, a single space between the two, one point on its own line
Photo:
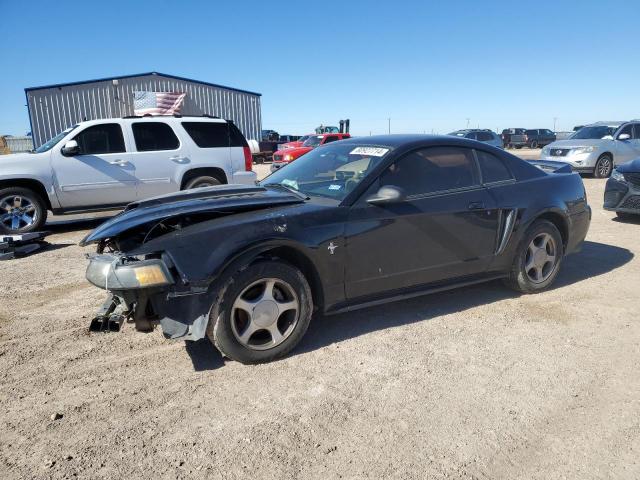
x=204 y=355
x=595 y=259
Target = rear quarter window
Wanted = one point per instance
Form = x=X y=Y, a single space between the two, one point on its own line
x=493 y=168
x=208 y=134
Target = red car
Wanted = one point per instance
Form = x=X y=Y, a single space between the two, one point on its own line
x=283 y=157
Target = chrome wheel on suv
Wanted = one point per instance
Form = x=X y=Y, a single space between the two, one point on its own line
x=21 y=211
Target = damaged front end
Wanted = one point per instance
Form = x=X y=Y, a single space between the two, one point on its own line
x=156 y=262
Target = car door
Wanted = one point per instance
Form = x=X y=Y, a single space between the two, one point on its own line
x=445 y=228
x=626 y=150
x=636 y=139
x=156 y=155
x=100 y=174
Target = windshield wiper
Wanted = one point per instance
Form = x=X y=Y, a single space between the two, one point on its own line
x=287 y=188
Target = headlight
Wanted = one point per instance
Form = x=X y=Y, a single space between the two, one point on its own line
x=288 y=158
x=107 y=271
x=579 y=150
x=616 y=175
x=545 y=151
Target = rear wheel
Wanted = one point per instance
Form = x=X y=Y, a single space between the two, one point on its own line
x=537 y=261
x=21 y=210
x=534 y=144
x=204 y=181
x=262 y=312
x=604 y=167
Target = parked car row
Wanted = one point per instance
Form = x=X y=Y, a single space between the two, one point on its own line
x=527 y=137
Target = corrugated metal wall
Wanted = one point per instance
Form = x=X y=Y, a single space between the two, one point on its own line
x=54 y=109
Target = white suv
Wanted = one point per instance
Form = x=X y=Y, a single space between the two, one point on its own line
x=106 y=164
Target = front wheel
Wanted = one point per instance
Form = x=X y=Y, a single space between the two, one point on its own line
x=21 y=211
x=604 y=167
x=534 y=144
x=261 y=313
x=537 y=261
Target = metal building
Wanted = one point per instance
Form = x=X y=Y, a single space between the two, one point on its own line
x=54 y=108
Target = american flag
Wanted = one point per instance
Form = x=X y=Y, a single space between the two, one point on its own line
x=157 y=103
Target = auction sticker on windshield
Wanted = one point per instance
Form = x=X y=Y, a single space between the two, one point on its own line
x=370 y=151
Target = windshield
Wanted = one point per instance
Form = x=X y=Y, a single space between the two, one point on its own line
x=45 y=147
x=593 y=133
x=304 y=138
x=312 y=141
x=328 y=171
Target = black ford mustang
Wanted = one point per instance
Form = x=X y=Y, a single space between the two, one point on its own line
x=350 y=224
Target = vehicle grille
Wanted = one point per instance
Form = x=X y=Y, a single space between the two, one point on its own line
x=633 y=178
x=632 y=202
x=277 y=158
x=559 y=152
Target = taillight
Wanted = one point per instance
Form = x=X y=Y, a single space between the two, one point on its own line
x=526 y=138
x=248 y=159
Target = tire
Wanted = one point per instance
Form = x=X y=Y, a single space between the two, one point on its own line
x=269 y=330
x=626 y=216
x=200 y=182
x=518 y=147
x=21 y=210
x=534 y=144
x=604 y=166
x=522 y=278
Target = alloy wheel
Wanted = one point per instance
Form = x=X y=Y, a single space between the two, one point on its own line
x=541 y=258
x=17 y=212
x=265 y=314
x=604 y=167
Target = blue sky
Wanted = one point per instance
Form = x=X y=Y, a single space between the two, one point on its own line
x=426 y=65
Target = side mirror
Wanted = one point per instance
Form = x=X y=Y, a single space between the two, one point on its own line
x=624 y=136
x=387 y=195
x=70 y=148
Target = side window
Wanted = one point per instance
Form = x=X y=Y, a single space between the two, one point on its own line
x=636 y=135
x=628 y=129
x=432 y=170
x=484 y=136
x=152 y=136
x=331 y=138
x=208 y=134
x=471 y=135
x=492 y=168
x=100 y=139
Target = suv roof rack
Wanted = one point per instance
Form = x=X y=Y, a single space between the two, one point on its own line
x=175 y=115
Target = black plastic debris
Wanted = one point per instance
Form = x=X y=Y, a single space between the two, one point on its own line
x=12 y=246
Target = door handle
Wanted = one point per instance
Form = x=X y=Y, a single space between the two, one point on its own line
x=476 y=206
x=179 y=159
x=120 y=163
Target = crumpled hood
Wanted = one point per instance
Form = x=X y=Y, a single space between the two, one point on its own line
x=223 y=199
x=569 y=143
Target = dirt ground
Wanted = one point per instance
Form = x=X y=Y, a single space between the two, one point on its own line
x=477 y=383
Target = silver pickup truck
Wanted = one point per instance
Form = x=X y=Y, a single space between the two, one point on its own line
x=106 y=164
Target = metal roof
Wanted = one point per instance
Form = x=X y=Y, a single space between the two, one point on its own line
x=107 y=79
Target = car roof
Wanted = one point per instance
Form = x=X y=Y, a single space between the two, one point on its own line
x=397 y=140
x=606 y=124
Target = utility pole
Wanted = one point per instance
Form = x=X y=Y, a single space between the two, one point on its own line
x=554 y=124
x=389 y=120
x=468 y=122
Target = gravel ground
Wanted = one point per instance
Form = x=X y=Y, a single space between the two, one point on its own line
x=471 y=384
